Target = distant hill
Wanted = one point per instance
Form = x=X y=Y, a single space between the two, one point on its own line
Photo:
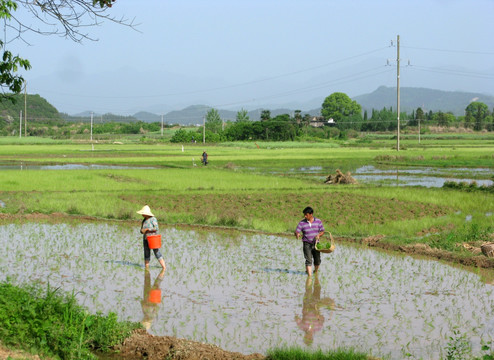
x=147 y=116
x=38 y=109
x=410 y=99
x=195 y=115
x=98 y=118
x=427 y=99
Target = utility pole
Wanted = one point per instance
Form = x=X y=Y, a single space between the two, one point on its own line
x=419 y=130
x=398 y=91
x=25 y=109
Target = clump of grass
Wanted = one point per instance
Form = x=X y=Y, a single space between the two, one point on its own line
x=465 y=186
x=301 y=354
x=469 y=233
x=53 y=324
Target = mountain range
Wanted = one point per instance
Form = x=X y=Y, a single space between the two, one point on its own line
x=383 y=97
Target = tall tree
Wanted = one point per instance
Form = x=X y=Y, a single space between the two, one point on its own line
x=213 y=121
x=475 y=114
x=265 y=115
x=298 y=116
x=339 y=106
x=242 y=115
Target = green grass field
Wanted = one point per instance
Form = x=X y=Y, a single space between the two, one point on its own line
x=251 y=186
x=240 y=189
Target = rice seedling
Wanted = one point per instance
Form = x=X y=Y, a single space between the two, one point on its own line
x=397 y=299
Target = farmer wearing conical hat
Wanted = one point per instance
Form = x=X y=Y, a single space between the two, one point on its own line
x=149 y=226
x=310 y=229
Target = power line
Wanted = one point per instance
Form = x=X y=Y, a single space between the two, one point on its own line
x=453 y=72
x=233 y=85
x=451 y=51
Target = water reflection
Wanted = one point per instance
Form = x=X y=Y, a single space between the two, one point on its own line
x=71 y=167
x=393 y=305
x=421 y=176
x=151 y=298
x=312 y=320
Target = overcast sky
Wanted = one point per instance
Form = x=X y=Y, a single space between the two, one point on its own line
x=262 y=53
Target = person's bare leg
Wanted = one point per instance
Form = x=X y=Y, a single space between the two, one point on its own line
x=162 y=263
x=146 y=264
x=308 y=269
x=316 y=267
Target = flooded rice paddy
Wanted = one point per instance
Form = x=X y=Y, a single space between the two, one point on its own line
x=366 y=174
x=249 y=293
x=399 y=176
x=71 y=167
x=423 y=176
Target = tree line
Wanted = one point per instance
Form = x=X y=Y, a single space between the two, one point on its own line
x=339 y=116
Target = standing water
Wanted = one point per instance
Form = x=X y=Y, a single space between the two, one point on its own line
x=248 y=293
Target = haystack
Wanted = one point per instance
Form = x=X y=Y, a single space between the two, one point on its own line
x=488 y=249
x=340 y=178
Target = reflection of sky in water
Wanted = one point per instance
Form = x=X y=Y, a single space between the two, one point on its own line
x=410 y=176
x=68 y=167
x=369 y=169
x=418 y=176
x=246 y=293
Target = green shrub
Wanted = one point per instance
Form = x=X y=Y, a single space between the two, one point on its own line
x=54 y=324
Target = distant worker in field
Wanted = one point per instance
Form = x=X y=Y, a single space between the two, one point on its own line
x=310 y=229
x=149 y=226
x=204 y=158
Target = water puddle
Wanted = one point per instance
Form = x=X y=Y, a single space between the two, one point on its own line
x=404 y=176
x=69 y=167
x=427 y=177
x=248 y=293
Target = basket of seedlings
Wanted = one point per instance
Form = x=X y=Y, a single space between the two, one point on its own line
x=326 y=246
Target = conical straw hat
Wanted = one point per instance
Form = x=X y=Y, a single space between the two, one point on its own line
x=145 y=211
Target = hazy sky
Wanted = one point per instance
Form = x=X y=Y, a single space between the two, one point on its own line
x=262 y=53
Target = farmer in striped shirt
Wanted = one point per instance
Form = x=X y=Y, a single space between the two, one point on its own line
x=310 y=229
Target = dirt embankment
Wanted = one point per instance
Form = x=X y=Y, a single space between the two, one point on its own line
x=474 y=260
x=142 y=345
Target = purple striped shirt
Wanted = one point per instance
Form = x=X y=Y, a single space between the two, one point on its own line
x=309 y=230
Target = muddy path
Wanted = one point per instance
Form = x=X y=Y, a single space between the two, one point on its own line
x=142 y=345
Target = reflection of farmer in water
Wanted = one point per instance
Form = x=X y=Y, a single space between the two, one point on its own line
x=312 y=320
x=151 y=298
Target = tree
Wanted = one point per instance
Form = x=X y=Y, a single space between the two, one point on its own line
x=339 y=106
x=298 y=116
x=69 y=18
x=213 y=121
x=444 y=119
x=265 y=115
x=475 y=114
x=242 y=115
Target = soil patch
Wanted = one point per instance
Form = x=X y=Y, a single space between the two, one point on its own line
x=142 y=345
x=6 y=353
x=479 y=261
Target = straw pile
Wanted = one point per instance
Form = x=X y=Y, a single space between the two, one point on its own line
x=340 y=178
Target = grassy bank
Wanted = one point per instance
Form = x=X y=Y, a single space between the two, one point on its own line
x=52 y=324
